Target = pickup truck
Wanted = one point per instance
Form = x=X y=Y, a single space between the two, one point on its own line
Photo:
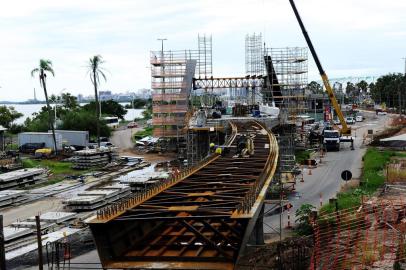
x=350 y=120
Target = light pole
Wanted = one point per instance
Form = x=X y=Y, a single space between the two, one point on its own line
x=163 y=77
x=162 y=45
x=400 y=90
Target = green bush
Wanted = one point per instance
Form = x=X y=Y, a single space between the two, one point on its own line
x=303 y=219
x=301 y=156
x=148 y=131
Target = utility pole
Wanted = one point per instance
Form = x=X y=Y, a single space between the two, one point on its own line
x=163 y=79
x=39 y=242
x=2 y=249
x=400 y=90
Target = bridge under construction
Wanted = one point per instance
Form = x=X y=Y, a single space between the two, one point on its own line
x=202 y=218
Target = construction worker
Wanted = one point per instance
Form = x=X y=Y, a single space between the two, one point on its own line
x=219 y=150
x=250 y=146
x=241 y=144
x=212 y=147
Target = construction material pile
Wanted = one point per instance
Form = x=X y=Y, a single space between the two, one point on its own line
x=90 y=158
x=22 y=178
x=93 y=199
x=8 y=197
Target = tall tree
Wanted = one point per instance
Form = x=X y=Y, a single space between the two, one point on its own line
x=95 y=70
x=45 y=66
x=387 y=89
x=351 y=91
x=363 y=86
x=8 y=115
x=69 y=102
x=110 y=108
x=315 y=87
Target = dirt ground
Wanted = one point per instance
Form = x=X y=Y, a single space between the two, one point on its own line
x=152 y=157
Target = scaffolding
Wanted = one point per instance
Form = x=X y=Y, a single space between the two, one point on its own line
x=287 y=73
x=171 y=73
x=197 y=141
x=205 y=60
x=286 y=70
x=254 y=52
x=288 y=79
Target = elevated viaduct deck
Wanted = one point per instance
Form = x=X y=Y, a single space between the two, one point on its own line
x=201 y=219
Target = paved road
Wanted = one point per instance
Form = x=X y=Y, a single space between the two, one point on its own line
x=122 y=138
x=326 y=179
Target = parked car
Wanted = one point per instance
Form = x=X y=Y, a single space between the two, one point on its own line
x=380 y=112
x=106 y=144
x=359 y=118
x=336 y=122
x=43 y=152
x=350 y=120
x=30 y=148
x=132 y=125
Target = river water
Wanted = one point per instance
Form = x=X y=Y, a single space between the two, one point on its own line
x=28 y=109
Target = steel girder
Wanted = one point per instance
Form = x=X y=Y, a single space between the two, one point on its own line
x=201 y=220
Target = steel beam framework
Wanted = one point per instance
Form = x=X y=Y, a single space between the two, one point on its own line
x=202 y=219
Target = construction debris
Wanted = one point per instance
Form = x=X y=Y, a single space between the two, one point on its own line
x=366 y=237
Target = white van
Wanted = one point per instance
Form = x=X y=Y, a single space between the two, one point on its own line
x=359 y=118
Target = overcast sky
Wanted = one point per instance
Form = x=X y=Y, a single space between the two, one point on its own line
x=352 y=37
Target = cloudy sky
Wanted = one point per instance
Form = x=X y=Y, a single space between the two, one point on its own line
x=352 y=38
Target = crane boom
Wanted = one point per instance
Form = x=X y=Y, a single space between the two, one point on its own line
x=345 y=130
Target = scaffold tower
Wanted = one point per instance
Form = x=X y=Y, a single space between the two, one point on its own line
x=289 y=74
x=254 y=52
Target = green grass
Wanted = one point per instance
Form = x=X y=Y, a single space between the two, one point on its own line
x=56 y=167
x=372 y=179
x=143 y=133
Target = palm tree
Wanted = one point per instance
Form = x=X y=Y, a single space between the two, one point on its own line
x=95 y=70
x=45 y=66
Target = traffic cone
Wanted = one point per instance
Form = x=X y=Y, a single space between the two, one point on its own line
x=66 y=252
x=288 y=226
x=321 y=199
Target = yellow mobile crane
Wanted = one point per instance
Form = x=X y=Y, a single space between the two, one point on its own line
x=345 y=130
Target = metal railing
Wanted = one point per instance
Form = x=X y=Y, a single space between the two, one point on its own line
x=270 y=167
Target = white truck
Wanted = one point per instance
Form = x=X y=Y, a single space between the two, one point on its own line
x=76 y=138
x=331 y=140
